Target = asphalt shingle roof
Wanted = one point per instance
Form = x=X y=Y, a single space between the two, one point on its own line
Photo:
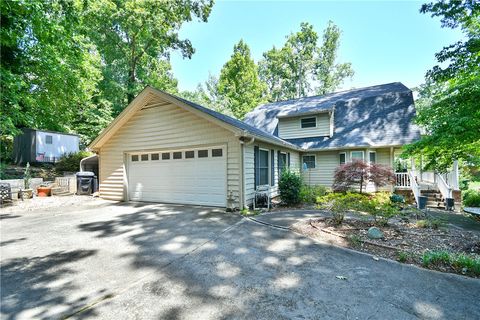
x=380 y=115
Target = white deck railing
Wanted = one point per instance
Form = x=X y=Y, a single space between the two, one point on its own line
x=402 y=180
x=443 y=186
x=414 y=186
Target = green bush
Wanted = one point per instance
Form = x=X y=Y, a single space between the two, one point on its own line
x=396 y=198
x=309 y=194
x=471 y=198
x=289 y=187
x=70 y=162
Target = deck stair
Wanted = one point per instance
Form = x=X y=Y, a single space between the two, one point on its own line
x=434 y=198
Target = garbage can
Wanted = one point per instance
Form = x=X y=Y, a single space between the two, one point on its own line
x=450 y=203
x=87 y=183
x=422 y=202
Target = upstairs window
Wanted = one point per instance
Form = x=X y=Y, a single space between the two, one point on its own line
x=308 y=162
x=48 y=139
x=309 y=122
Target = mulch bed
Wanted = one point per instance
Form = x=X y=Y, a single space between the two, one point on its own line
x=400 y=237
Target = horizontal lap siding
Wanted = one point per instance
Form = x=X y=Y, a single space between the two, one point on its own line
x=250 y=165
x=163 y=128
x=322 y=174
x=328 y=161
x=290 y=128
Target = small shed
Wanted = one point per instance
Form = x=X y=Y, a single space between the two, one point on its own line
x=43 y=146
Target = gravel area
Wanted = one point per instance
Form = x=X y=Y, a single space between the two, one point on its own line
x=45 y=203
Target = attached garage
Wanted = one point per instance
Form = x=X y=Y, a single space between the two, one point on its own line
x=188 y=176
x=163 y=148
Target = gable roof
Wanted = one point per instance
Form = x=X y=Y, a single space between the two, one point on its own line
x=225 y=121
x=379 y=115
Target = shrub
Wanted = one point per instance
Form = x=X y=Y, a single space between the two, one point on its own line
x=430 y=223
x=354 y=240
x=70 y=162
x=402 y=256
x=289 y=187
x=309 y=194
x=396 y=198
x=358 y=173
x=435 y=257
x=471 y=198
x=338 y=209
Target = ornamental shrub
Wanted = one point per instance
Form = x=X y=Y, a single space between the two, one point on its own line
x=471 y=198
x=309 y=194
x=359 y=173
x=70 y=162
x=289 y=187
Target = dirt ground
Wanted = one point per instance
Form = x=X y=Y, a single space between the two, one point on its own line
x=403 y=239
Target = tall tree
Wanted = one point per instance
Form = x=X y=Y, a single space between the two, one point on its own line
x=239 y=82
x=302 y=67
x=135 y=39
x=448 y=107
x=329 y=74
x=49 y=69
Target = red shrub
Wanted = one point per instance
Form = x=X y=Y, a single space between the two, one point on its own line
x=359 y=173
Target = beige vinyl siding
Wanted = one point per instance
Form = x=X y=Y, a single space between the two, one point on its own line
x=328 y=161
x=290 y=128
x=250 y=165
x=162 y=128
x=325 y=165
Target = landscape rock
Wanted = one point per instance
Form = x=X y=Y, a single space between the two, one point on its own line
x=374 y=233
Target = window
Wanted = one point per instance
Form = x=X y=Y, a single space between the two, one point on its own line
x=309 y=161
x=343 y=157
x=372 y=157
x=155 y=156
x=144 y=157
x=48 y=139
x=166 y=156
x=282 y=162
x=263 y=167
x=189 y=154
x=177 y=155
x=356 y=155
x=309 y=122
x=203 y=153
x=217 y=152
x=135 y=157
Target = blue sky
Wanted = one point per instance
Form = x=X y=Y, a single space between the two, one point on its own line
x=385 y=41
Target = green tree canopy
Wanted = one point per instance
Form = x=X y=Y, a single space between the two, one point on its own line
x=302 y=66
x=448 y=107
x=239 y=82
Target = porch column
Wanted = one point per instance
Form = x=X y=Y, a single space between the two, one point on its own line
x=455 y=182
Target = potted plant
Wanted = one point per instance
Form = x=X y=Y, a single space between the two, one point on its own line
x=27 y=176
x=44 y=190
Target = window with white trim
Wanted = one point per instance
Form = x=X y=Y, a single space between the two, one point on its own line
x=282 y=163
x=155 y=156
x=48 y=139
x=309 y=161
x=310 y=122
x=372 y=157
x=342 y=157
x=135 y=157
x=144 y=157
x=263 y=167
x=356 y=155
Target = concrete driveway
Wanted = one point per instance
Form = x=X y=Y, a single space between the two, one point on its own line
x=140 y=261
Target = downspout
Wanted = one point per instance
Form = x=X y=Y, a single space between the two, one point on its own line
x=243 y=143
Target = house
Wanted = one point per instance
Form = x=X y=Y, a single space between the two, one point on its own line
x=43 y=146
x=163 y=148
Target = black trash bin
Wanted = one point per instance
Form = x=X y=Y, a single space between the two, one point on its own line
x=422 y=202
x=87 y=183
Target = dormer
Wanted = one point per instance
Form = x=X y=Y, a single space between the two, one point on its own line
x=306 y=125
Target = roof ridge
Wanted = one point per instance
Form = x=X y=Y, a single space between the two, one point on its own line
x=333 y=93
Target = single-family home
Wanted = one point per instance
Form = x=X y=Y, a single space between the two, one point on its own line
x=33 y=145
x=163 y=148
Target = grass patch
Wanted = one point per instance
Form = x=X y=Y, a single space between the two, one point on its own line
x=430 y=223
x=460 y=262
x=402 y=256
x=354 y=240
x=248 y=213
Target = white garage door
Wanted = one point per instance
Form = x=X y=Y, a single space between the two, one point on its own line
x=188 y=176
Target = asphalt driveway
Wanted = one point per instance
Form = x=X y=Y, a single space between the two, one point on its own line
x=152 y=261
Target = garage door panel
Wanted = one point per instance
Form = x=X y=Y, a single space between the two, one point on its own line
x=190 y=181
